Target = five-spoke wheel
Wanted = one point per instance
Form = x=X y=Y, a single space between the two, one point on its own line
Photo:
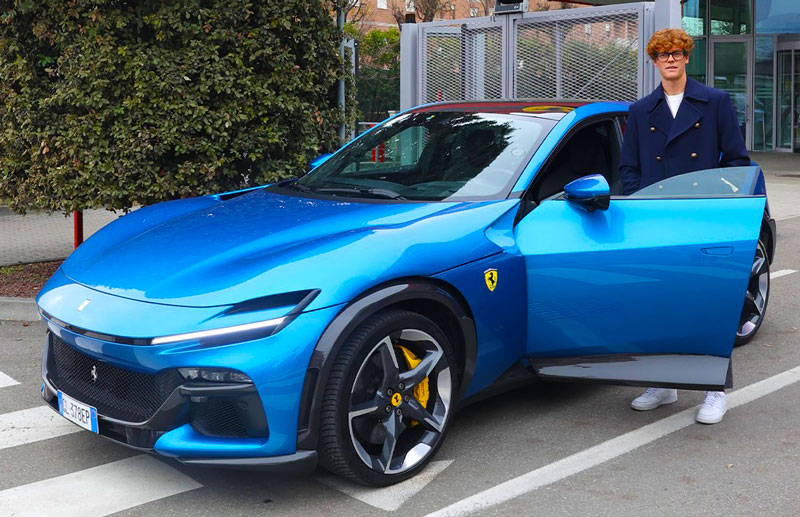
x=388 y=399
x=756 y=298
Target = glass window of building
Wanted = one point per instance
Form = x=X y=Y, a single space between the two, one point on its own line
x=696 y=68
x=785 y=107
x=777 y=16
x=763 y=97
x=731 y=17
x=693 y=17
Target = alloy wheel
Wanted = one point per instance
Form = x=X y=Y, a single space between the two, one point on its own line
x=400 y=401
x=756 y=298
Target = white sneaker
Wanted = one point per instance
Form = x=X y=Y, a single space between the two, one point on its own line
x=654 y=397
x=714 y=408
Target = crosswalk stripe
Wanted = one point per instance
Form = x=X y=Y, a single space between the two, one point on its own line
x=5 y=381
x=32 y=425
x=782 y=272
x=98 y=491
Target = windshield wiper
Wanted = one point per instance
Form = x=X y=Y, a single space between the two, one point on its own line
x=365 y=191
x=297 y=186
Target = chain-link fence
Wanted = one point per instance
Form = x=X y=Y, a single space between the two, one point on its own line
x=588 y=53
x=582 y=54
x=463 y=61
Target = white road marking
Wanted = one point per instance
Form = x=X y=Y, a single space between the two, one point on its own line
x=782 y=272
x=389 y=498
x=101 y=490
x=607 y=450
x=5 y=381
x=32 y=425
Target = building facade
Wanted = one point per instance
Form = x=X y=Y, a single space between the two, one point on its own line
x=379 y=14
x=751 y=49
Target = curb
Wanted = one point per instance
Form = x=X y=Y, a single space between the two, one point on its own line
x=18 y=309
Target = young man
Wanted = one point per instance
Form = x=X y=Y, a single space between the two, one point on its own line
x=683 y=126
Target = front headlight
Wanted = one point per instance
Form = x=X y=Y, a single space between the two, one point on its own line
x=224 y=335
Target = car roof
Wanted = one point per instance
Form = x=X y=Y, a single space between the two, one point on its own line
x=552 y=109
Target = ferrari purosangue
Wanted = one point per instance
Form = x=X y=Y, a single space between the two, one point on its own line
x=341 y=318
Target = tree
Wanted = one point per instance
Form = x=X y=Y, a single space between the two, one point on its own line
x=428 y=9
x=398 y=8
x=111 y=103
x=379 y=73
x=484 y=7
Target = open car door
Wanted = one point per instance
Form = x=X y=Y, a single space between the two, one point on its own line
x=649 y=291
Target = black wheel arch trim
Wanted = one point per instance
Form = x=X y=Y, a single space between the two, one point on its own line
x=356 y=312
x=768 y=227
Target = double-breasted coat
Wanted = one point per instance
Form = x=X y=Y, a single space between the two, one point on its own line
x=704 y=134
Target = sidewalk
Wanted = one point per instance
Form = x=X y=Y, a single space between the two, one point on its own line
x=38 y=237
x=782 y=171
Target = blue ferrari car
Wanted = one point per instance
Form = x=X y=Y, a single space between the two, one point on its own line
x=450 y=252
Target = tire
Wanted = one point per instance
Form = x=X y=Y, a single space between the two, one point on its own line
x=756 y=299
x=368 y=429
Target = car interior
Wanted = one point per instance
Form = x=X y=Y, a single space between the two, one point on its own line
x=593 y=149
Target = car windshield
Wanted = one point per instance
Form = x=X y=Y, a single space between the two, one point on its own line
x=433 y=156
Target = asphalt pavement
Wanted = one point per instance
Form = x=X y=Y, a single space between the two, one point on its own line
x=552 y=449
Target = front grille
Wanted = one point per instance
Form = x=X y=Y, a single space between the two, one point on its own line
x=218 y=417
x=115 y=392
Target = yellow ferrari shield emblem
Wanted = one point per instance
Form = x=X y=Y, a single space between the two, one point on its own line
x=490 y=275
x=397 y=399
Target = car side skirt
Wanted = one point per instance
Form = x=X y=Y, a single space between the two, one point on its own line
x=691 y=372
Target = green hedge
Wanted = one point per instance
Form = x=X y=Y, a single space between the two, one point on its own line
x=110 y=103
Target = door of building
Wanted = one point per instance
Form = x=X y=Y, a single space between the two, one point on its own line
x=788 y=97
x=730 y=70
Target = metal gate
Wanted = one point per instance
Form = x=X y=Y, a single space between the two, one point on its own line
x=587 y=53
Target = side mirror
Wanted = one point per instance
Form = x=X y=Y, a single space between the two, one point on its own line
x=589 y=192
x=319 y=160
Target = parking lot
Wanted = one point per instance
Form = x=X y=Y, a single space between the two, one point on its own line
x=554 y=449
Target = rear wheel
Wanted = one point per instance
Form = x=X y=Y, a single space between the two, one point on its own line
x=388 y=400
x=756 y=298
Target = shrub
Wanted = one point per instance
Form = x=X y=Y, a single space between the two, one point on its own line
x=110 y=103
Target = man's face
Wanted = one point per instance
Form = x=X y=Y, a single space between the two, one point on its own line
x=672 y=68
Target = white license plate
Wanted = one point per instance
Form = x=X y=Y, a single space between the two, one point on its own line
x=82 y=414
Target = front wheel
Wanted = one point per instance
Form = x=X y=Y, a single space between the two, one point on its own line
x=756 y=298
x=388 y=400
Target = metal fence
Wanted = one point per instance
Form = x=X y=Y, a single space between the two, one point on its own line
x=587 y=53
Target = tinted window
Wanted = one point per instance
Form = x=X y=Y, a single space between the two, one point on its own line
x=433 y=156
x=722 y=182
x=593 y=149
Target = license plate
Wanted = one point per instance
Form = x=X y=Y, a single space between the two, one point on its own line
x=82 y=414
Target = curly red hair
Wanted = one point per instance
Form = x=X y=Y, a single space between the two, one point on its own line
x=666 y=40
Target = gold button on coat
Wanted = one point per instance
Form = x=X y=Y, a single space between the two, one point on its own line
x=652 y=129
x=658 y=158
x=697 y=124
x=694 y=155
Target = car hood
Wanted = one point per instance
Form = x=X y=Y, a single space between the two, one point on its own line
x=205 y=252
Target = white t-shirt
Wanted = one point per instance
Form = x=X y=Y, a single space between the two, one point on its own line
x=674 y=102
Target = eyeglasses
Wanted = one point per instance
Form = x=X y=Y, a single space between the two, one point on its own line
x=677 y=55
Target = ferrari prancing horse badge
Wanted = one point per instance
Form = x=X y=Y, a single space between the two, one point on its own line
x=490 y=275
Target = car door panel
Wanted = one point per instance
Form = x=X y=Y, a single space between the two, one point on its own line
x=647 y=276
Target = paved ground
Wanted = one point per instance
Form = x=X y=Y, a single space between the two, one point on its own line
x=746 y=465
x=37 y=237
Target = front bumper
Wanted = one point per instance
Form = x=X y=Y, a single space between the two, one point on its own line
x=276 y=364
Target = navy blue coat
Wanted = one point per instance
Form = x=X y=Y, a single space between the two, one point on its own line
x=703 y=135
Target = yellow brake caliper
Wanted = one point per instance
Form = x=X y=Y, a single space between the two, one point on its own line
x=421 y=391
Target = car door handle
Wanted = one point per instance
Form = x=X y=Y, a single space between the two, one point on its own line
x=719 y=251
